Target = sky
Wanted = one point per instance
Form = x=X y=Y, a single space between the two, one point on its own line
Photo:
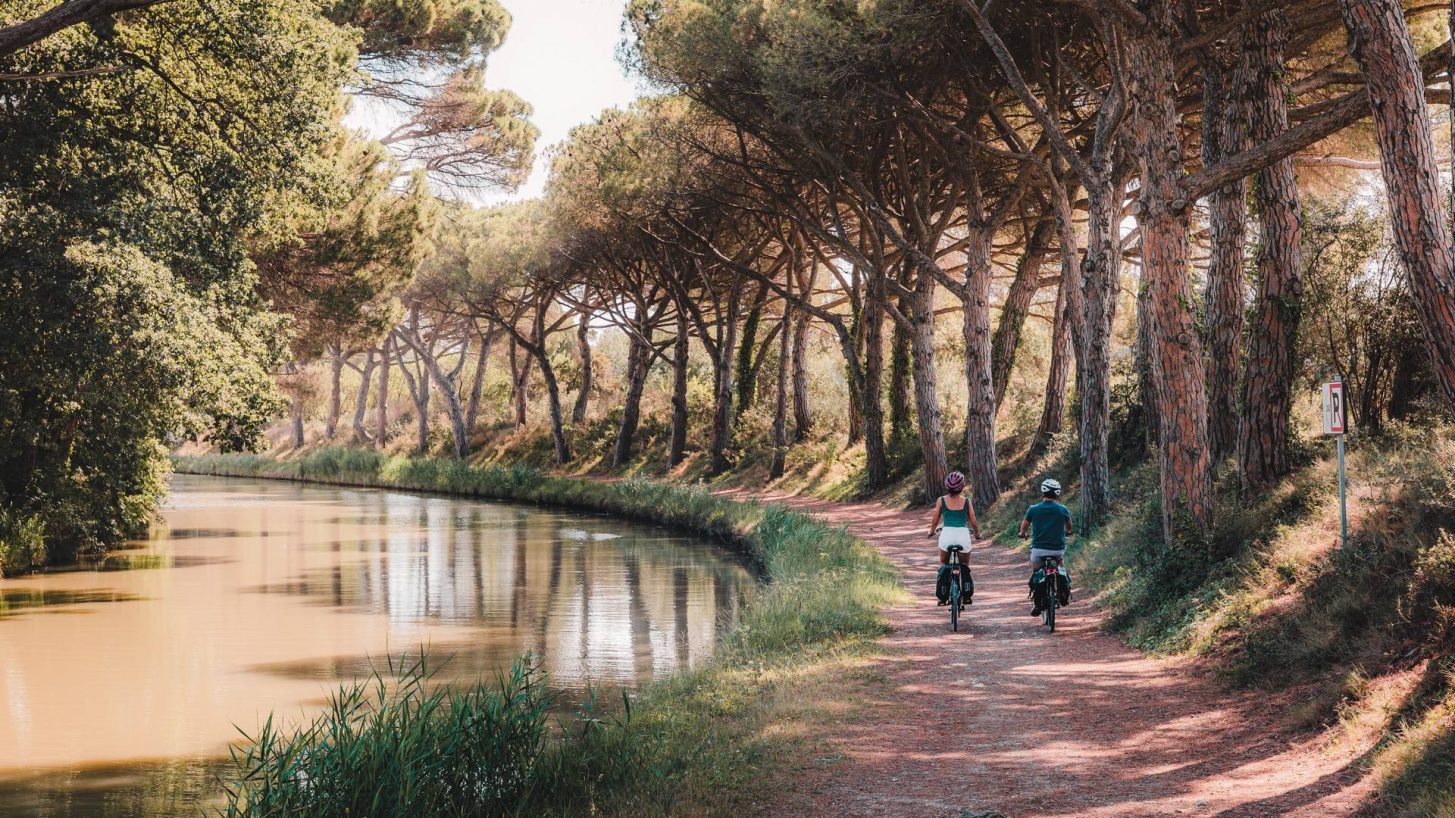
x=561 y=57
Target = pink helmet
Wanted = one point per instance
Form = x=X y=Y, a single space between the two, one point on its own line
x=955 y=482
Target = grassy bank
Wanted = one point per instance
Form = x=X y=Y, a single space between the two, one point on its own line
x=1360 y=637
x=702 y=742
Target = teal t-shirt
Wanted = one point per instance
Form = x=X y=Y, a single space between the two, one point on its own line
x=1048 y=525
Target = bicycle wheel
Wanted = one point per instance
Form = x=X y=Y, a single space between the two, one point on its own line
x=1050 y=615
x=955 y=608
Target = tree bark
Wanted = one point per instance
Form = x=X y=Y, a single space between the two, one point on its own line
x=1101 y=287
x=926 y=389
x=1270 y=369
x=1017 y=303
x=802 y=417
x=1054 y=409
x=519 y=382
x=1380 y=42
x=335 y=396
x=901 y=406
x=1177 y=364
x=454 y=407
x=871 y=386
x=780 y=408
x=381 y=410
x=419 y=391
x=722 y=401
x=1151 y=412
x=638 y=364
x=295 y=408
x=477 y=380
x=361 y=402
x=583 y=349
x=1223 y=125
x=677 y=450
x=980 y=404
x=747 y=372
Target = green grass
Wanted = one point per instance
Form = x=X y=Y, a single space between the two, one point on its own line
x=702 y=742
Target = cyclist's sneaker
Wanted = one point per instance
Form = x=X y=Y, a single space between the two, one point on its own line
x=1036 y=611
x=944 y=602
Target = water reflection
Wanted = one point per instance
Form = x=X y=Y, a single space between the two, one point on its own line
x=259 y=596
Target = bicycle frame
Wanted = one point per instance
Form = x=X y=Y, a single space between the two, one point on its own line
x=958 y=570
x=1051 y=568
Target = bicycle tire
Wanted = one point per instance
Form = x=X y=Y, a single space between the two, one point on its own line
x=955 y=608
x=1050 y=615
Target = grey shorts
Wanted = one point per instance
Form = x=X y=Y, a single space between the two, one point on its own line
x=1038 y=553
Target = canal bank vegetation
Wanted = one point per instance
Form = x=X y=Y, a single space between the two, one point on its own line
x=700 y=742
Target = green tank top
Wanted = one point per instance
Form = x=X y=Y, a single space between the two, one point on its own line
x=955 y=518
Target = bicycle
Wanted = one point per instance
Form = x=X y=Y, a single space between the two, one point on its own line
x=1050 y=571
x=957 y=595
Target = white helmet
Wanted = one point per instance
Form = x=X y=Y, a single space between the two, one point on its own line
x=1050 y=486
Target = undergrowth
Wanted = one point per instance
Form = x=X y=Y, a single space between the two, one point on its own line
x=694 y=743
x=1361 y=632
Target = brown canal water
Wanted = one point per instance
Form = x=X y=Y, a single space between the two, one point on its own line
x=123 y=684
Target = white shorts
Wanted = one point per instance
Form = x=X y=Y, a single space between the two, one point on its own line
x=954 y=536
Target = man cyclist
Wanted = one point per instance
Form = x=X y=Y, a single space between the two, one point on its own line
x=954 y=521
x=1048 y=522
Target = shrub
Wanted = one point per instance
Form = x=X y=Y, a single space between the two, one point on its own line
x=22 y=543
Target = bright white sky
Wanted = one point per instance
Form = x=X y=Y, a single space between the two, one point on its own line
x=561 y=57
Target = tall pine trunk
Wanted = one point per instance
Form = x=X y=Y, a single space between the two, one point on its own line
x=519 y=382
x=638 y=364
x=677 y=450
x=335 y=391
x=901 y=404
x=1223 y=129
x=1178 y=374
x=381 y=409
x=295 y=406
x=477 y=381
x=1101 y=285
x=1053 y=411
x=802 y=417
x=583 y=350
x=361 y=401
x=1271 y=367
x=926 y=388
x=980 y=401
x=1379 y=39
x=871 y=385
x=780 y=407
x=1017 y=304
x=747 y=370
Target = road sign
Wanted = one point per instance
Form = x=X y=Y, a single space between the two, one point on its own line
x=1334 y=411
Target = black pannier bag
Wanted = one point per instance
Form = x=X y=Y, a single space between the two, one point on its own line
x=942 y=584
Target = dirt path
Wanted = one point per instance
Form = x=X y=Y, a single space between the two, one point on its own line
x=1007 y=717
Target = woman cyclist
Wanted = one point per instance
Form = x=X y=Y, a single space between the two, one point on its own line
x=954 y=519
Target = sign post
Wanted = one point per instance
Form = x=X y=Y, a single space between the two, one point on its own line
x=1335 y=418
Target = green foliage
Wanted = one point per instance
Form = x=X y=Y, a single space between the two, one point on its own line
x=424 y=30
x=128 y=202
x=399 y=748
x=110 y=355
x=689 y=736
x=22 y=543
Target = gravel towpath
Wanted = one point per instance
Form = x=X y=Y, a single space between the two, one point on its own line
x=1004 y=716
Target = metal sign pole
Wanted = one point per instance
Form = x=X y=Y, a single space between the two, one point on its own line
x=1343 y=509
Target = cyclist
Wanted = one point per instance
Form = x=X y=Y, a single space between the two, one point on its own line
x=954 y=520
x=1048 y=522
